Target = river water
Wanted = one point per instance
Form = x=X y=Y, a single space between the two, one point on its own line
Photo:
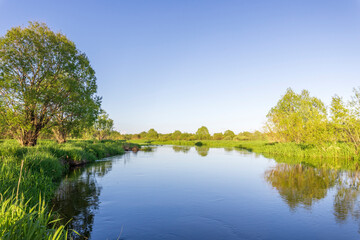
x=177 y=192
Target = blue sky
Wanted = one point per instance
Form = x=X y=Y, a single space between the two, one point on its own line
x=182 y=64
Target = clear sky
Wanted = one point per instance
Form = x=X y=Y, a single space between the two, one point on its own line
x=182 y=64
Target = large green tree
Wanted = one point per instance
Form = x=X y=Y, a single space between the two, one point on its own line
x=44 y=80
x=346 y=119
x=298 y=118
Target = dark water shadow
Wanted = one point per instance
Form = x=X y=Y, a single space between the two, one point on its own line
x=77 y=198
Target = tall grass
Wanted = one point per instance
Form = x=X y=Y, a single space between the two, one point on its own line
x=21 y=220
x=33 y=172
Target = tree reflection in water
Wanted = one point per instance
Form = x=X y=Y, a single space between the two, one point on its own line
x=77 y=198
x=301 y=185
x=345 y=202
x=183 y=149
x=228 y=149
x=202 y=151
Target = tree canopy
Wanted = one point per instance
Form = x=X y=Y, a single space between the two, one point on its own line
x=103 y=126
x=45 y=82
x=298 y=118
x=203 y=133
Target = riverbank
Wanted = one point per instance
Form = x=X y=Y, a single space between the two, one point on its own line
x=331 y=155
x=30 y=173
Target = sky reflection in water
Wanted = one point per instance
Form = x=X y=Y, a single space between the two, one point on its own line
x=181 y=192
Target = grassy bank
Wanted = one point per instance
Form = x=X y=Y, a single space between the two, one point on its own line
x=35 y=172
x=336 y=155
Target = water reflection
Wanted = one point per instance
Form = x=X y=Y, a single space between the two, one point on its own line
x=202 y=151
x=183 y=149
x=77 y=198
x=228 y=149
x=299 y=184
x=346 y=202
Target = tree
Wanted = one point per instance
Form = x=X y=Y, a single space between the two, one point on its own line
x=44 y=80
x=152 y=134
x=340 y=116
x=218 y=136
x=346 y=119
x=80 y=113
x=298 y=118
x=203 y=133
x=143 y=135
x=176 y=135
x=229 y=135
x=103 y=126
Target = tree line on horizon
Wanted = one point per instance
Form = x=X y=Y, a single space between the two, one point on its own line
x=201 y=134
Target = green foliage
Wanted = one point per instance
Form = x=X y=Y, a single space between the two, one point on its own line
x=152 y=134
x=43 y=167
x=103 y=126
x=346 y=119
x=45 y=82
x=20 y=220
x=229 y=135
x=176 y=135
x=250 y=136
x=298 y=118
x=218 y=136
x=203 y=133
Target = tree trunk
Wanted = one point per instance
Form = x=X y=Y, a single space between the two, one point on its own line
x=29 y=137
x=60 y=135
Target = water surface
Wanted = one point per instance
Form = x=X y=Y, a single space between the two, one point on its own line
x=200 y=193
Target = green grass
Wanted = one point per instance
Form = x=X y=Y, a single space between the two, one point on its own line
x=21 y=220
x=334 y=156
x=43 y=167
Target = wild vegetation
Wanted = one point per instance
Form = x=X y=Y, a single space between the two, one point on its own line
x=299 y=126
x=27 y=173
x=47 y=91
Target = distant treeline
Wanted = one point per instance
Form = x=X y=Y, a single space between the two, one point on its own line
x=201 y=134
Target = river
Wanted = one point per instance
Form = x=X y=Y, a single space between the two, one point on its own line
x=175 y=192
